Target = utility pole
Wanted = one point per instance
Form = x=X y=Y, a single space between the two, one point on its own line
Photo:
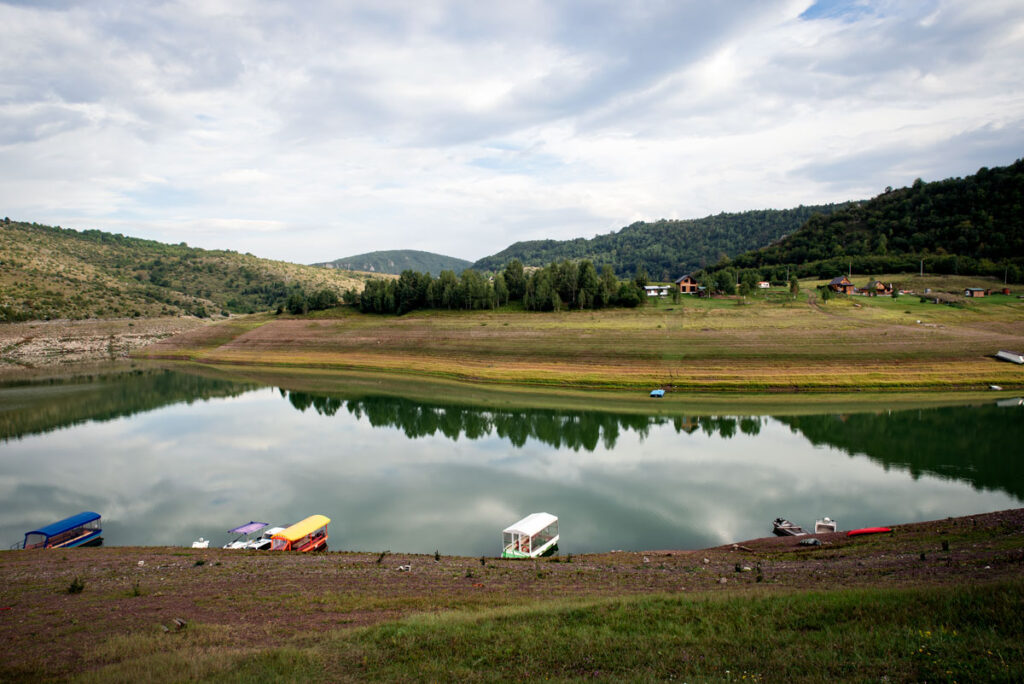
x=922 y=268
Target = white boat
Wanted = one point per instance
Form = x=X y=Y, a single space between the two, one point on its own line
x=534 y=536
x=1013 y=357
x=201 y=543
x=245 y=534
x=826 y=524
x=263 y=542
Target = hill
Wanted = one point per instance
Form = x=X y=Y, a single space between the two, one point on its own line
x=52 y=272
x=665 y=249
x=397 y=260
x=972 y=225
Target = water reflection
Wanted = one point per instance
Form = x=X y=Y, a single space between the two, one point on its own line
x=411 y=476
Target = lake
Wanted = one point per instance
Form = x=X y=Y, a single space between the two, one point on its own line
x=167 y=456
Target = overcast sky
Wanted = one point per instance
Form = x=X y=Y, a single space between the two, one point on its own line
x=316 y=130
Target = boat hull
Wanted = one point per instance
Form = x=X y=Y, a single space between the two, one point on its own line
x=548 y=549
x=92 y=539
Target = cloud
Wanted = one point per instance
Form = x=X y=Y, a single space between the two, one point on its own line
x=462 y=128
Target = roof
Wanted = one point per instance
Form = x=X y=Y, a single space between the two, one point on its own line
x=838 y=280
x=303 y=527
x=974 y=289
x=532 y=524
x=682 y=278
x=248 y=528
x=66 y=524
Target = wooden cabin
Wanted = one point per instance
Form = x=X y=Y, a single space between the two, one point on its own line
x=975 y=292
x=877 y=287
x=687 y=284
x=841 y=284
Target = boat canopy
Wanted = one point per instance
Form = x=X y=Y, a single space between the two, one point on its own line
x=66 y=524
x=248 y=528
x=531 y=524
x=303 y=528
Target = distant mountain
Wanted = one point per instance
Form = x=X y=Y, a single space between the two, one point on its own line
x=972 y=225
x=397 y=260
x=53 y=272
x=666 y=249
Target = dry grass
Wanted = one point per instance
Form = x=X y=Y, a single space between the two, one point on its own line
x=771 y=345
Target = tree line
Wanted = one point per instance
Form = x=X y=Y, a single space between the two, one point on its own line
x=969 y=226
x=558 y=286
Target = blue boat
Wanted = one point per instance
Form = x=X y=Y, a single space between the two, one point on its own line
x=82 y=529
x=658 y=393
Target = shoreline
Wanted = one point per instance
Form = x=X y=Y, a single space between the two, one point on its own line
x=227 y=598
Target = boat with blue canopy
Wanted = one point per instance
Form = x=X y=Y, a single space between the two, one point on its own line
x=244 y=534
x=81 y=529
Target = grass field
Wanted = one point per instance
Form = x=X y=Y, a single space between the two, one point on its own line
x=768 y=343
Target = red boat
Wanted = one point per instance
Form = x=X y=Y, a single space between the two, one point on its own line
x=868 y=530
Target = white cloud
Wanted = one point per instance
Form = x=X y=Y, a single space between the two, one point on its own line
x=303 y=133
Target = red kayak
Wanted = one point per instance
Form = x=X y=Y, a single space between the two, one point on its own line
x=868 y=530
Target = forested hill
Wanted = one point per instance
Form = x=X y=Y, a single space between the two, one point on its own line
x=398 y=260
x=665 y=249
x=972 y=226
x=53 y=272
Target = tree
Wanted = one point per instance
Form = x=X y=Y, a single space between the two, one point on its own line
x=794 y=286
x=640 y=279
x=515 y=279
x=725 y=282
x=500 y=289
x=588 y=284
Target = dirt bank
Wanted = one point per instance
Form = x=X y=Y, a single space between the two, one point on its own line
x=52 y=345
x=251 y=597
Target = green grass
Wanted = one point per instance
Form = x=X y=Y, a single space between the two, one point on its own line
x=933 y=634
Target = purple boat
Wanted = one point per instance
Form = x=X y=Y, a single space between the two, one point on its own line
x=246 y=535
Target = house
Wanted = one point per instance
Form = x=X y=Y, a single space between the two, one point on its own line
x=657 y=290
x=877 y=287
x=841 y=284
x=975 y=292
x=763 y=285
x=687 y=284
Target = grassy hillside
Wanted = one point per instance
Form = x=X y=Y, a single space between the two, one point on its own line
x=972 y=225
x=51 y=272
x=666 y=249
x=398 y=260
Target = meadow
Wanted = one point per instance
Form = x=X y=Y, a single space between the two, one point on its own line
x=772 y=342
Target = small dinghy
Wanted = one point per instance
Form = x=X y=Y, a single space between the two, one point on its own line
x=826 y=524
x=784 y=528
x=245 y=534
x=201 y=543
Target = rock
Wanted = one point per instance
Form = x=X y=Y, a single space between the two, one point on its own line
x=706 y=561
x=722 y=580
x=810 y=542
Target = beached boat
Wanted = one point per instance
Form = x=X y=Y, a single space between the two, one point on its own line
x=245 y=534
x=826 y=524
x=201 y=543
x=307 y=535
x=1012 y=357
x=784 y=528
x=658 y=393
x=534 y=536
x=264 y=541
x=82 y=529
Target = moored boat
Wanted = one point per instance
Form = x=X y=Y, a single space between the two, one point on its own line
x=784 y=528
x=81 y=529
x=826 y=524
x=306 y=535
x=245 y=534
x=534 y=536
x=264 y=541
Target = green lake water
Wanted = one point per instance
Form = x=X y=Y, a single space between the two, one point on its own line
x=167 y=456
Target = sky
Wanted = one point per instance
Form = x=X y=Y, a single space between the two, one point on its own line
x=313 y=131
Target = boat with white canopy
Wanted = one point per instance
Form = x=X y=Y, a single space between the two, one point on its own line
x=534 y=536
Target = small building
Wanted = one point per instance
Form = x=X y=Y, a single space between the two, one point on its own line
x=841 y=284
x=877 y=287
x=687 y=284
x=657 y=290
x=975 y=292
x=763 y=285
